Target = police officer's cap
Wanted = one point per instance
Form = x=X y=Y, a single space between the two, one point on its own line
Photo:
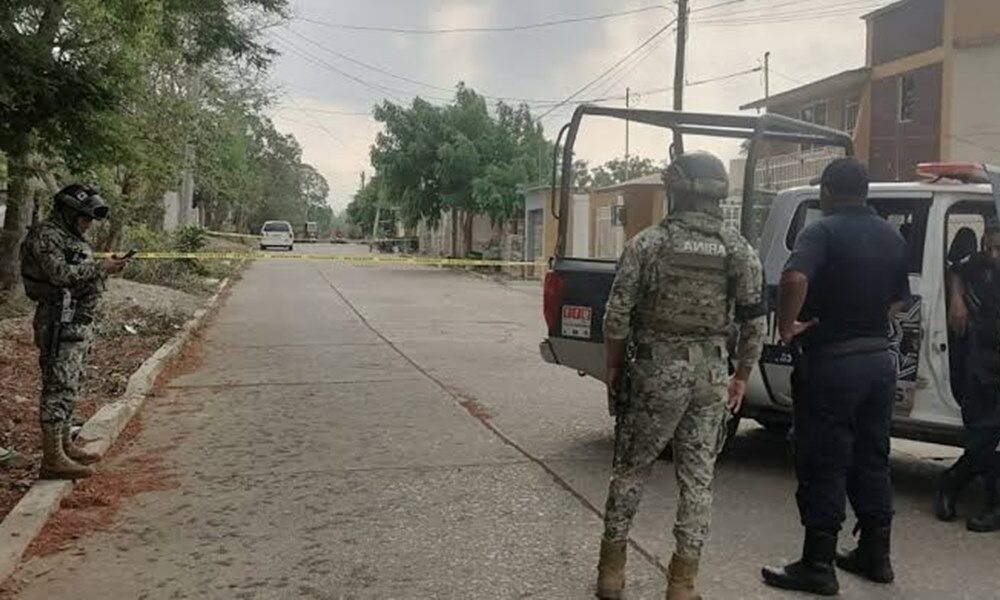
x=846 y=177
x=698 y=173
x=83 y=200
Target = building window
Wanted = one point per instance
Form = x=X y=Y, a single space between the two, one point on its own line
x=852 y=107
x=907 y=98
x=815 y=114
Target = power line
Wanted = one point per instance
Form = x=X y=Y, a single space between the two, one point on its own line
x=665 y=90
x=319 y=61
x=605 y=73
x=528 y=26
x=801 y=6
x=529 y=101
x=787 y=16
x=795 y=80
x=635 y=64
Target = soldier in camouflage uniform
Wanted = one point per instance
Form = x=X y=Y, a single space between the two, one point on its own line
x=680 y=284
x=60 y=274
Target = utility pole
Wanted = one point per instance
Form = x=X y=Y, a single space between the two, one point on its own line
x=628 y=97
x=680 y=60
x=767 y=76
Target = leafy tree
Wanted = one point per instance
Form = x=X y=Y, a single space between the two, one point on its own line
x=71 y=68
x=617 y=171
x=461 y=157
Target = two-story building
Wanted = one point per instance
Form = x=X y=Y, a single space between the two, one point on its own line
x=928 y=92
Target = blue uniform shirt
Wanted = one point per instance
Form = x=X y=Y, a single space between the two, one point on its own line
x=856 y=263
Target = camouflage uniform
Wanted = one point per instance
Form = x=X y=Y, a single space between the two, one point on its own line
x=679 y=285
x=54 y=258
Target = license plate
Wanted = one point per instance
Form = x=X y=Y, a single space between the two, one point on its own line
x=576 y=321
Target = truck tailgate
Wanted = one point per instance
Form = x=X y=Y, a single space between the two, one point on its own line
x=576 y=292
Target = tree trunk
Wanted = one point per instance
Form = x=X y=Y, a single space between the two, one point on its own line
x=454 y=233
x=469 y=216
x=19 y=210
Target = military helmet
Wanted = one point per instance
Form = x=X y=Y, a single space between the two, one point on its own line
x=699 y=174
x=82 y=200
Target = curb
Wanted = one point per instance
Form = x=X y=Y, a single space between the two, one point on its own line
x=26 y=520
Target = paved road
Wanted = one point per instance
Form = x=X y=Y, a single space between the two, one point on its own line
x=391 y=432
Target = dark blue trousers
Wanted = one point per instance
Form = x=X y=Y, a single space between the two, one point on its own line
x=843 y=418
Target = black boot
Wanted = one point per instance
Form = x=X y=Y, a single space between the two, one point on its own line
x=814 y=573
x=871 y=558
x=946 y=498
x=987 y=522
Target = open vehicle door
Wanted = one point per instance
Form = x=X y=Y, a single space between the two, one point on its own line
x=576 y=289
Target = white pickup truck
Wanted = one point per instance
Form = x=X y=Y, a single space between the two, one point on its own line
x=942 y=219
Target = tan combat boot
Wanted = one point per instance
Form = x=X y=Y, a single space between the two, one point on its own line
x=55 y=463
x=76 y=453
x=611 y=570
x=680 y=578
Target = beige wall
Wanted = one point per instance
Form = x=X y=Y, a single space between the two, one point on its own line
x=975 y=22
x=975 y=106
x=598 y=200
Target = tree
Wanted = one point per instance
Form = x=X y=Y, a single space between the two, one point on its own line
x=460 y=157
x=71 y=67
x=365 y=206
x=617 y=171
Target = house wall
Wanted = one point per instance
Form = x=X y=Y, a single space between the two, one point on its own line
x=600 y=201
x=640 y=203
x=906 y=30
x=976 y=23
x=896 y=147
x=836 y=105
x=975 y=105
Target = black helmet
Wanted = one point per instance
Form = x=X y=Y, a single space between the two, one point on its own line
x=83 y=201
x=699 y=174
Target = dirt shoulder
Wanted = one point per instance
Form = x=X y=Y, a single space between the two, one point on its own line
x=136 y=320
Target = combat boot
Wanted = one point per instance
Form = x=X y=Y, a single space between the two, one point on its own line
x=987 y=522
x=55 y=463
x=75 y=452
x=946 y=498
x=871 y=558
x=680 y=578
x=814 y=572
x=611 y=570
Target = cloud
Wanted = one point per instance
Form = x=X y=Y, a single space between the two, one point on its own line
x=545 y=63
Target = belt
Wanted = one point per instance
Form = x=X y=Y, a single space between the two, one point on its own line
x=694 y=351
x=861 y=345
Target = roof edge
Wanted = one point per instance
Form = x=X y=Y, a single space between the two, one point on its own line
x=776 y=98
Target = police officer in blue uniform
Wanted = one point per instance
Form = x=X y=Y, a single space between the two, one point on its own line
x=846 y=277
x=974 y=317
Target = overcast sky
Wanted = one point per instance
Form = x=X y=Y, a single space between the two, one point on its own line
x=329 y=111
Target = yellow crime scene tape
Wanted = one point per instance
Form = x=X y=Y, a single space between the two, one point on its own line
x=248 y=236
x=360 y=259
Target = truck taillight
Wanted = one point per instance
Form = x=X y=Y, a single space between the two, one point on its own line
x=555 y=286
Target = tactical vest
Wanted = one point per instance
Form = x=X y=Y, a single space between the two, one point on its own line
x=687 y=283
x=37 y=285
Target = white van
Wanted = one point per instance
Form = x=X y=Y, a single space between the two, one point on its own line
x=277 y=234
x=943 y=223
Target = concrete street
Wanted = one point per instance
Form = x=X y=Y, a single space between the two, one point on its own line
x=391 y=432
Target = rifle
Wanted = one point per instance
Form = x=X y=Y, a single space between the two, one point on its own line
x=65 y=317
x=618 y=403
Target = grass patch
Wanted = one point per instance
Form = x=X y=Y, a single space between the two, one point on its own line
x=188 y=275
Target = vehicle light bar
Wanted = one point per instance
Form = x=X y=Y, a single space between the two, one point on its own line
x=964 y=172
